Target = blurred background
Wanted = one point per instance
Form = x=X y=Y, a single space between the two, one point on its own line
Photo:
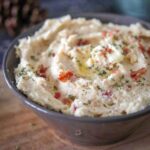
x=16 y=16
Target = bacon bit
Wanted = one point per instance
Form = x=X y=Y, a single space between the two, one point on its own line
x=57 y=95
x=141 y=47
x=109 y=50
x=111 y=33
x=67 y=101
x=116 y=71
x=82 y=42
x=107 y=93
x=104 y=33
x=105 y=51
x=137 y=74
x=65 y=76
x=126 y=50
x=42 y=71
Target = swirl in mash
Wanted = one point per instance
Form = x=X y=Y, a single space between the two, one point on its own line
x=86 y=68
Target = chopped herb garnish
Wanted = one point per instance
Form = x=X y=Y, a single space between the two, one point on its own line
x=33 y=124
x=127 y=81
x=123 y=112
x=55 y=88
x=26 y=77
x=98 y=87
x=111 y=104
x=103 y=72
x=33 y=58
x=51 y=54
x=78 y=61
x=119 y=85
x=71 y=97
x=22 y=72
x=97 y=115
x=17 y=147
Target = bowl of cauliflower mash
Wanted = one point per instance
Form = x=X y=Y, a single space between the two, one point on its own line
x=88 y=76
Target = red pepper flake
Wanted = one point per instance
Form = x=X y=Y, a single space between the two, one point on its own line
x=137 y=74
x=65 y=76
x=57 y=95
x=42 y=71
x=141 y=47
x=105 y=51
x=67 y=101
x=107 y=93
x=82 y=42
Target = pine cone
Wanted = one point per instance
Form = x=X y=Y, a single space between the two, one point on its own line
x=18 y=15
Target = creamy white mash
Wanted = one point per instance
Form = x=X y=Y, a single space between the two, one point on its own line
x=86 y=68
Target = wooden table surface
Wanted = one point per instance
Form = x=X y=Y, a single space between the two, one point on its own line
x=21 y=129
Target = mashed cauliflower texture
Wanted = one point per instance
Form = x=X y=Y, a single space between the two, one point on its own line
x=86 y=68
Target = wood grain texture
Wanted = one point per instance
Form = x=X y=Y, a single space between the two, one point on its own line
x=21 y=129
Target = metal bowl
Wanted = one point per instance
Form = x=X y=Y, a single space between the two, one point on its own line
x=80 y=130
